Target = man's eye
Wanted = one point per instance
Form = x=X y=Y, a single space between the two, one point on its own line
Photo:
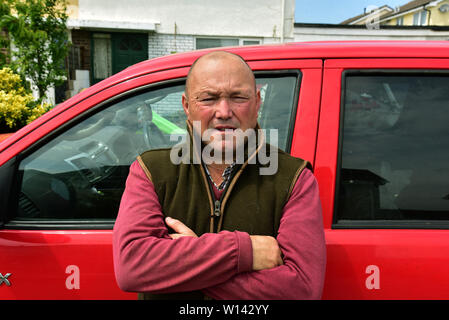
x=206 y=99
x=239 y=99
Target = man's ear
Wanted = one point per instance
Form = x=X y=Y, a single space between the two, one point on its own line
x=258 y=100
x=185 y=104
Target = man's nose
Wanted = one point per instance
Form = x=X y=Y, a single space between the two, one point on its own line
x=223 y=109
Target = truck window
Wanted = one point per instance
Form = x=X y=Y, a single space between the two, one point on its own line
x=394 y=148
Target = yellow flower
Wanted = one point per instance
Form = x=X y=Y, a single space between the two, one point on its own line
x=37 y=111
x=16 y=105
x=10 y=81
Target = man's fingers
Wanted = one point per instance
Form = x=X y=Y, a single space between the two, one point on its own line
x=176 y=235
x=266 y=252
x=179 y=227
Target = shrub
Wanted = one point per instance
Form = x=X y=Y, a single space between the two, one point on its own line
x=17 y=106
x=38 y=32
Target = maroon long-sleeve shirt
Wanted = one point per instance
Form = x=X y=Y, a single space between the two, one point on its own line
x=147 y=259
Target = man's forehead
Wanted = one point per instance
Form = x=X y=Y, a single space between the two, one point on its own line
x=216 y=91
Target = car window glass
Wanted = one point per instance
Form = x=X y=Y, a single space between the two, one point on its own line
x=395 y=148
x=277 y=110
x=81 y=173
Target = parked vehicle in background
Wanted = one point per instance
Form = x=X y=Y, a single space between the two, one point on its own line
x=372 y=118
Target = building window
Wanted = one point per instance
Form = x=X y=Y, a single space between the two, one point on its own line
x=400 y=21
x=250 y=42
x=204 y=43
x=420 y=18
x=102 y=56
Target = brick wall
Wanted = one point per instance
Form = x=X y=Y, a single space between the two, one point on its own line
x=165 y=44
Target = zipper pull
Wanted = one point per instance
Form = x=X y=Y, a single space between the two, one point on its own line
x=217 y=208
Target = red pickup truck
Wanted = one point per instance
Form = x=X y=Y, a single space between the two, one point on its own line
x=372 y=118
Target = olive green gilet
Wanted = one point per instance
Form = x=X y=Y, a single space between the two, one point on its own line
x=252 y=202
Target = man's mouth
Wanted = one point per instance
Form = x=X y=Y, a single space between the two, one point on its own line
x=224 y=128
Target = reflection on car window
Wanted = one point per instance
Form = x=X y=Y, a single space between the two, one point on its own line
x=395 y=148
x=81 y=173
x=277 y=95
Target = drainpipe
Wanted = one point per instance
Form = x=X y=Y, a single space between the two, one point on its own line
x=283 y=20
x=431 y=4
x=430 y=12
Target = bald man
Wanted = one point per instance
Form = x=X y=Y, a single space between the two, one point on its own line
x=219 y=229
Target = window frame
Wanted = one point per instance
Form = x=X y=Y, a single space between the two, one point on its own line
x=420 y=18
x=298 y=74
x=94 y=36
x=7 y=220
x=239 y=39
x=376 y=224
x=242 y=40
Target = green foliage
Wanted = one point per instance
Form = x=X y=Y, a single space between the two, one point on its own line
x=17 y=105
x=38 y=31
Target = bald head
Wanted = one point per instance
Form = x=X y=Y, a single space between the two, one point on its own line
x=224 y=57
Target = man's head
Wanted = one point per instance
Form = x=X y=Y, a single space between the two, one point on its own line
x=221 y=94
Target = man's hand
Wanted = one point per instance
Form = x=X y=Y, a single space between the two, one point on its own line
x=266 y=252
x=180 y=228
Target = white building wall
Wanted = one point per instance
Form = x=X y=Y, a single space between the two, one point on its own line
x=230 y=18
x=317 y=33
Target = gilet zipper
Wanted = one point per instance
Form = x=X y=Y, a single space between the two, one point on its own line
x=217 y=208
x=216 y=204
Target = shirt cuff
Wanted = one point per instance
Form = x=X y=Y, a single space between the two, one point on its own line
x=245 y=252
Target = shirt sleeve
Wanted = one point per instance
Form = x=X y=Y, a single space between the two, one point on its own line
x=301 y=239
x=147 y=259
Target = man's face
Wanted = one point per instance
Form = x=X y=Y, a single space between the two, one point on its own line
x=222 y=96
